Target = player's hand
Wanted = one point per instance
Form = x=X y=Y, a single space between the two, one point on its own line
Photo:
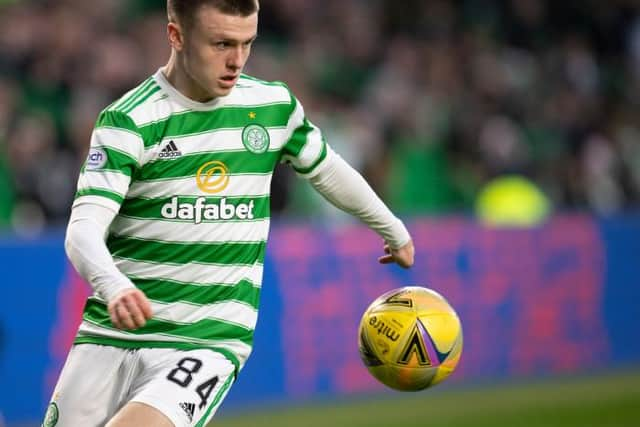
x=130 y=309
x=402 y=256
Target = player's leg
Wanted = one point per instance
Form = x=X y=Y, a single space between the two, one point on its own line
x=139 y=415
x=89 y=389
x=186 y=386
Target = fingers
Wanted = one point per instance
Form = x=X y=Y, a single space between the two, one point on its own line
x=386 y=259
x=403 y=256
x=130 y=310
x=124 y=317
x=115 y=318
x=144 y=305
x=137 y=316
x=402 y=260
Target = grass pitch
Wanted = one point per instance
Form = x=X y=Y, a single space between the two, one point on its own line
x=611 y=400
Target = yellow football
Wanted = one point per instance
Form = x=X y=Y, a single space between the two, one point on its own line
x=410 y=338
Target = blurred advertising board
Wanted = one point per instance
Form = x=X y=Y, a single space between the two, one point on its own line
x=562 y=298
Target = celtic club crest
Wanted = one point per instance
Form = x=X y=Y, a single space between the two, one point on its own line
x=51 y=417
x=255 y=138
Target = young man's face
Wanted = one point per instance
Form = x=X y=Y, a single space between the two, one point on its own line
x=216 y=49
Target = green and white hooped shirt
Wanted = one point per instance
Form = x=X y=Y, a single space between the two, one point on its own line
x=190 y=182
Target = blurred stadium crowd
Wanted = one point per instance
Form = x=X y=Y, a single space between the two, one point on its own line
x=429 y=99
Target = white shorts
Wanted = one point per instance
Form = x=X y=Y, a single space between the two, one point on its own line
x=96 y=381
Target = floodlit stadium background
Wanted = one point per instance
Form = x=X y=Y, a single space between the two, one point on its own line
x=506 y=134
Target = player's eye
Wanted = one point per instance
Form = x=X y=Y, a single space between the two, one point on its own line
x=221 y=45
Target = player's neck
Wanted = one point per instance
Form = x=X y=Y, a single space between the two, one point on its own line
x=183 y=83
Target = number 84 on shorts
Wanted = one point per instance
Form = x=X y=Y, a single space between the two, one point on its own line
x=96 y=381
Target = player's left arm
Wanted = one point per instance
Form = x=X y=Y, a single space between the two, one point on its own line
x=312 y=158
x=346 y=189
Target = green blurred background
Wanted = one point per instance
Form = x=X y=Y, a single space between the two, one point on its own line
x=430 y=101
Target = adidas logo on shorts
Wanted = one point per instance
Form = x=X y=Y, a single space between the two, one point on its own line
x=189 y=408
x=170 y=151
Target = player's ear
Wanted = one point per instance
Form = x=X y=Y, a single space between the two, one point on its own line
x=175 y=36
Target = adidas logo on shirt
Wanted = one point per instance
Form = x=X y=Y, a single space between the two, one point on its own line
x=170 y=151
x=189 y=408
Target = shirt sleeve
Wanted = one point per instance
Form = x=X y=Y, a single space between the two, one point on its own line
x=87 y=251
x=114 y=155
x=346 y=189
x=306 y=148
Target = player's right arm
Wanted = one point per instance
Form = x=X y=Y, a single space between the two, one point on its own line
x=115 y=153
x=85 y=245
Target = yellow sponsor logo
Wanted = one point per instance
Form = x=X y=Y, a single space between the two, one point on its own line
x=213 y=177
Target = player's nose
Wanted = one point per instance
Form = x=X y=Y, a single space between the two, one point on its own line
x=236 y=59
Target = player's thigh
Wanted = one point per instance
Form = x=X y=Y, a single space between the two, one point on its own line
x=186 y=386
x=139 y=415
x=90 y=387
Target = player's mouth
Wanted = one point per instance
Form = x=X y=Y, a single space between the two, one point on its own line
x=228 y=80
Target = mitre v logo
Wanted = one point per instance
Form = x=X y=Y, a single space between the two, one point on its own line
x=416 y=346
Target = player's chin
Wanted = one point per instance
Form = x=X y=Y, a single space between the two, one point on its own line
x=225 y=85
x=224 y=91
x=216 y=91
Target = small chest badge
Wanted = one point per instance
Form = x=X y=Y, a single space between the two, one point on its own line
x=51 y=417
x=255 y=138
